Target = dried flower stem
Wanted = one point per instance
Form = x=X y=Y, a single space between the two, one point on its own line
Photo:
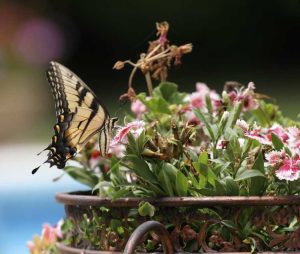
x=156 y=62
x=132 y=75
x=149 y=83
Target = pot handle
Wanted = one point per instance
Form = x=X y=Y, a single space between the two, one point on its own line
x=144 y=228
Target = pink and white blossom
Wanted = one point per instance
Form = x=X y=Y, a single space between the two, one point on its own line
x=138 y=108
x=117 y=149
x=275 y=157
x=242 y=124
x=279 y=131
x=202 y=88
x=135 y=128
x=191 y=118
x=255 y=132
x=48 y=238
x=222 y=144
x=294 y=139
x=197 y=100
x=51 y=234
x=245 y=95
x=289 y=170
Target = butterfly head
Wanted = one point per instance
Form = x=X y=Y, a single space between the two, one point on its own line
x=112 y=122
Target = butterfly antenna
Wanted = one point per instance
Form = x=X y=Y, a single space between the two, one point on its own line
x=35 y=170
x=47 y=148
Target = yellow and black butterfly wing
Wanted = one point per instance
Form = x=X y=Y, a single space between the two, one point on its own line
x=79 y=114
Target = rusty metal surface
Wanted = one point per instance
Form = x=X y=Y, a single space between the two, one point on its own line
x=69 y=250
x=138 y=234
x=83 y=199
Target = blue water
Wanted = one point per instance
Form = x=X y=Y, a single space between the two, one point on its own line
x=27 y=201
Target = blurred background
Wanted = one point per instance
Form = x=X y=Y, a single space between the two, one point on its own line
x=248 y=40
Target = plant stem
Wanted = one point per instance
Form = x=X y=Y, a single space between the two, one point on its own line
x=149 y=83
x=153 y=51
x=131 y=76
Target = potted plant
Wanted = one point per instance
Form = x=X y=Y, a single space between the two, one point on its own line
x=201 y=172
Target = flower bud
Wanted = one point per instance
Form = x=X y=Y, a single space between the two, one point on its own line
x=118 y=65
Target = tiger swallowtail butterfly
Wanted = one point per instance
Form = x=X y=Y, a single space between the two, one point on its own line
x=80 y=116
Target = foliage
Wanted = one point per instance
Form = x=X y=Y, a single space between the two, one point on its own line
x=236 y=143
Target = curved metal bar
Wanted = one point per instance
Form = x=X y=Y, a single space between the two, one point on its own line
x=144 y=228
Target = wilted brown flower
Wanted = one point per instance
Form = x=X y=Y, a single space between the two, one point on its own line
x=130 y=95
x=282 y=217
x=162 y=31
x=294 y=240
x=188 y=233
x=119 y=65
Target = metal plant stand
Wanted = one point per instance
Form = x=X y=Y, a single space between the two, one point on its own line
x=79 y=203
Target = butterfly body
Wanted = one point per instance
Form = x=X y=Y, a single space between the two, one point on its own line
x=80 y=116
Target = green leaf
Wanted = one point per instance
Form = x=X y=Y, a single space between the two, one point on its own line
x=146 y=209
x=258 y=184
x=249 y=174
x=165 y=182
x=203 y=119
x=171 y=170
x=203 y=158
x=234 y=115
x=181 y=184
x=166 y=90
x=158 y=105
x=140 y=168
x=220 y=188
x=209 y=104
x=82 y=175
x=232 y=188
x=277 y=143
x=207 y=192
x=123 y=192
x=229 y=224
x=261 y=116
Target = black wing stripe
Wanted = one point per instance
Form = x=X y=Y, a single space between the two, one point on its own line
x=82 y=95
x=94 y=106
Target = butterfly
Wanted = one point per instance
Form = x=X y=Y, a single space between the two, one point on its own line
x=80 y=116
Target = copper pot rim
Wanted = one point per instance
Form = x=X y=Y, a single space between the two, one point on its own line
x=85 y=198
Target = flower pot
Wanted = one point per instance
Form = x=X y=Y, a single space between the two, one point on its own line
x=188 y=220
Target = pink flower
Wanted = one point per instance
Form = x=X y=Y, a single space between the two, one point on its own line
x=289 y=170
x=257 y=135
x=256 y=132
x=294 y=139
x=278 y=131
x=191 y=118
x=117 y=149
x=47 y=240
x=197 y=100
x=33 y=248
x=275 y=157
x=216 y=99
x=50 y=234
x=138 y=108
x=135 y=128
x=242 y=124
x=202 y=88
x=245 y=95
x=222 y=144
x=250 y=103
